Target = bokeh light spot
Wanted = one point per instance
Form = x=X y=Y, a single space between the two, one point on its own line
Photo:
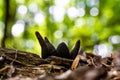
x=94 y=11
x=57 y=13
x=39 y=18
x=2 y=25
x=30 y=43
x=92 y=3
x=58 y=34
x=33 y=7
x=18 y=28
x=104 y=50
x=81 y=12
x=114 y=39
x=73 y=12
x=81 y=4
x=61 y=2
x=80 y=22
x=22 y=9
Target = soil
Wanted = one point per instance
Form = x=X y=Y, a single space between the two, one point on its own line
x=20 y=65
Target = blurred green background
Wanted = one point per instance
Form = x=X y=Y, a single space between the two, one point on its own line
x=95 y=22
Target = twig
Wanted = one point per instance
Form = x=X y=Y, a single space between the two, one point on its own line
x=14 y=58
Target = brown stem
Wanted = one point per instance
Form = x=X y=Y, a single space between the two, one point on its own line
x=6 y=23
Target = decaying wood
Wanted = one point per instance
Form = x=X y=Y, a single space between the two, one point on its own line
x=25 y=63
x=60 y=61
x=57 y=64
x=36 y=68
x=21 y=57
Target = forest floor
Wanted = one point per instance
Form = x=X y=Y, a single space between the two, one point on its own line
x=20 y=65
x=57 y=64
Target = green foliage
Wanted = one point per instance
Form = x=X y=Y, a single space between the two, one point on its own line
x=90 y=27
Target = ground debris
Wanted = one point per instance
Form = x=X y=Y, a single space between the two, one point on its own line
x=89 y=67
